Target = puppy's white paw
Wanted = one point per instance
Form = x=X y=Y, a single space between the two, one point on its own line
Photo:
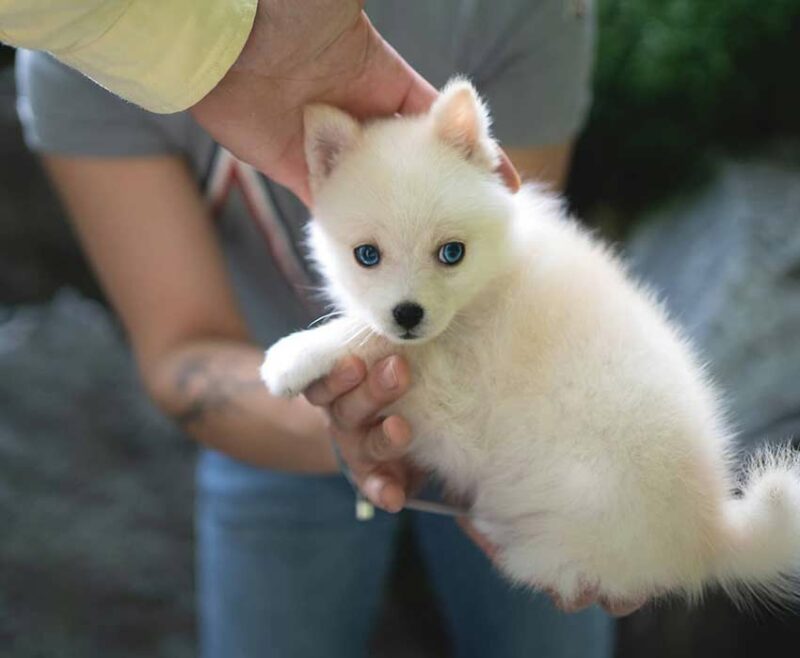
x=291 y=365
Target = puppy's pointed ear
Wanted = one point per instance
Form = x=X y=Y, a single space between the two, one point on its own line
x=461 y=120
x=329 y=134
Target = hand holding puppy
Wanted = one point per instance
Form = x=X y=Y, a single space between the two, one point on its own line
x=372 y=445
x=315 y=51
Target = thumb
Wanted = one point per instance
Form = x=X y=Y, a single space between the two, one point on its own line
x=419 y=95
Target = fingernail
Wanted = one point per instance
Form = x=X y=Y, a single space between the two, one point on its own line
x=392 y=499
x=347 y=373
x=397 y=438
x=372 y=488
x=388 y=376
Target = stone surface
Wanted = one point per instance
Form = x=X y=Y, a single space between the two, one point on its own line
x=727 y=263
x=95 y=494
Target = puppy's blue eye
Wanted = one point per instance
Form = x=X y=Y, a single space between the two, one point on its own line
x=451 y=253
x=367 y=255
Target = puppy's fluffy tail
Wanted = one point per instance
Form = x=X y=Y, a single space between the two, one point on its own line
x=761 y=559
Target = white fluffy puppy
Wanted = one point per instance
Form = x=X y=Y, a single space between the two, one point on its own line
x=549 y=390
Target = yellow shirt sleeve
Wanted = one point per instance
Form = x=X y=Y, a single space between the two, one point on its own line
x=163 y=55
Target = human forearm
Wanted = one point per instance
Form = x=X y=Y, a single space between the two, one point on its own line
x=213 y=389
x=148 y=235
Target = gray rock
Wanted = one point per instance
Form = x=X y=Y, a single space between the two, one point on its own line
x=727 y=263
x=95 y=494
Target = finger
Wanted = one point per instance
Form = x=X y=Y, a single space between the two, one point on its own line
x=481 y=540
x=555 y=597
x=418 y=97
x=415 y=93
x=508 y=173
x=345 y=376
x=584 y=599
x=385 y=488
x=387 y=440
x=621 y=608
x=571 y=607
x=417 y=479
x=388 y=85
x=386 y=381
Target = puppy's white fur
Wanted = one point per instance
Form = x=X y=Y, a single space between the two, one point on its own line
x=548 y=389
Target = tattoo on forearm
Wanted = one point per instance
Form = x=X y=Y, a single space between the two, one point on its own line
x=207 y=390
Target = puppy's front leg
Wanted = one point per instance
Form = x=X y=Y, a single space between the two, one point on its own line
x=300 y=358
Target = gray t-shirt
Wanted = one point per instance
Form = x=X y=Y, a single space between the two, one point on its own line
x=531 y=59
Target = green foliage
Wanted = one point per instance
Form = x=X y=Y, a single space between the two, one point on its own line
x=677 y=81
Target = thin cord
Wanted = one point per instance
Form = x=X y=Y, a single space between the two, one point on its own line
x=365 y=510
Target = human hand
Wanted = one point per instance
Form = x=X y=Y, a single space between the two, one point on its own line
x=372 y=446
x=302 y=52
x=588 y=597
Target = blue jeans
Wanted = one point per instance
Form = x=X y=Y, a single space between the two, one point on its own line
x=285 y=571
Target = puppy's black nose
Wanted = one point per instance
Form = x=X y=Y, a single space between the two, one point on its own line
x=408 y=315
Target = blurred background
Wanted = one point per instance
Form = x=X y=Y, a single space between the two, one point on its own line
x=690 y=160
